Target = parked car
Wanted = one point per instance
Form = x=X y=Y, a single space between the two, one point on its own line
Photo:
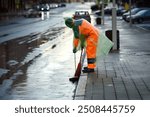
x=32 y=13
x=141 y=16
x=133 y=12
x=82 y=14
x=108 y=11
x=120 y=11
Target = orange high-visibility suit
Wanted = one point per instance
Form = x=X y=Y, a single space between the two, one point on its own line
x=90 y=33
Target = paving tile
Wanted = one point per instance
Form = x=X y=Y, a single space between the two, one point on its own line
x=123 y=74
x=121 y=92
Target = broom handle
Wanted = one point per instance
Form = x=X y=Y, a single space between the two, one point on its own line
x=81 y=54
x=75 y=60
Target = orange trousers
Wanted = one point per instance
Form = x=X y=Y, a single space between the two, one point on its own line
x=91 y=45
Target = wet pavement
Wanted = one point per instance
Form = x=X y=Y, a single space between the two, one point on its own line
x=36 y=59
x=37 y=64
x=124 y=74
x=37 y=68
x=14 y=52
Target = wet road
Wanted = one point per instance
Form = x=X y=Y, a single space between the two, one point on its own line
x=38 y=65
x=43 y=73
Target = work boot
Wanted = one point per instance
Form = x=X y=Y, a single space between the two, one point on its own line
x=88 y=70
x=85 y=68
x=74 y=79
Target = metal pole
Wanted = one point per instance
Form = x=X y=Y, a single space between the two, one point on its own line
x=130 y=12
x=114 y=27
x=102 y=12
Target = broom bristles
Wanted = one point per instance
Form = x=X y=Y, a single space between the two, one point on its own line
x=78 y=70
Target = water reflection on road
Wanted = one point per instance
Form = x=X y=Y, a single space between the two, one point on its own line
x=39 y=68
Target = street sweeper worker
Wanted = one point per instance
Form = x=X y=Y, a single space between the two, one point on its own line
x=85 y=35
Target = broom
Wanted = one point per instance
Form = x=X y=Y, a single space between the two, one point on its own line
x=78 y=70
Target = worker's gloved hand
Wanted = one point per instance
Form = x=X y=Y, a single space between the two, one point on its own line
x=74 y=50
x=82 y=44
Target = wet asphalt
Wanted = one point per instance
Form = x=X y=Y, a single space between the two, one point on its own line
x=37 y=68
x=40 y=64
x=37 y=64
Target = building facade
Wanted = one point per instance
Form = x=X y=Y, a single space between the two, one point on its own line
x=15 y=5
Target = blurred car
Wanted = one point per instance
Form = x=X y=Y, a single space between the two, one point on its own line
x=108 y=11
x=36 y=7
x=53 y=5
x=141 y=16
x=32 y=13
x=82 y=14
x=94 y=7
x=120 y=11
x=61 y=5
x=44 y=7
x=133 y=12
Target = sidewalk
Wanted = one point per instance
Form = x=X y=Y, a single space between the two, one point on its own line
x=122 y=75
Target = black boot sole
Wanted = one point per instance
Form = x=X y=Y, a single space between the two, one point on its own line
x=87 y=71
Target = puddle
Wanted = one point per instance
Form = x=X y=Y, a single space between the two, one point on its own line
x=4 y=35
x=37 y=68
x=13 y=52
